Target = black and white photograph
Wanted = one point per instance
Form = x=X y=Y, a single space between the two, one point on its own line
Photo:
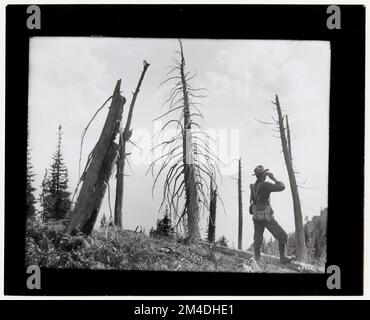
x=184 y=150
x=178 y=155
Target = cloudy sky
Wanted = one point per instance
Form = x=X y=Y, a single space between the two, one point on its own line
x=70 y=78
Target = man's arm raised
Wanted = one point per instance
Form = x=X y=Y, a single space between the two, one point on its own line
x=278 y=186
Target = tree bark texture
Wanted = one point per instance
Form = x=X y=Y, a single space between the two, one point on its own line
x=240 y=202
x=212 y=214
x=124 y=137
x=101 y=187
x=88 y=201
x=299 y=230
x=192 y=205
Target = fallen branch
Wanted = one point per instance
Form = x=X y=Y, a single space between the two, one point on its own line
x=294 y=266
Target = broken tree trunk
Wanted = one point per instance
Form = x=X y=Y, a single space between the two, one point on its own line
x=124 y=137
x=212 y=214
x=101 y=186
x=240 y=201
x=192 y=205
x=299 y=230
x=288 y=137
x=119 y=184
x=92 y=190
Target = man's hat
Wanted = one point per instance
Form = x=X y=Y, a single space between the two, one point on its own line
x=259 y=170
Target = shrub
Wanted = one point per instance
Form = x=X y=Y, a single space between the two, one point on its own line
x=222 y=241
x=164 y=228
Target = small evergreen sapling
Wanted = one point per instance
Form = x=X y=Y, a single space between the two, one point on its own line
x=164 y=227
x=55 y=197
x=222 y=241
x=30 y=198
x=103 y=222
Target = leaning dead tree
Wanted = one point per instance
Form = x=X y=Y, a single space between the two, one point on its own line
x=240 y=202
x=287 y=151
x=186 y=156
x=98 y=170
x=212 y=213
x=125 y=136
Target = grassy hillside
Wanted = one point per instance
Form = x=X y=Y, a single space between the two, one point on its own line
x=48 y=247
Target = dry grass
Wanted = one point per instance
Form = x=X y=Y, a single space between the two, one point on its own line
x=48 y=247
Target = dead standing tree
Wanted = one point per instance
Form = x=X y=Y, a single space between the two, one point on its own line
x=240 y=202
x=212 y=213
x=187 y=156
x=125 y=136
x=98 y=170
x=287 y=151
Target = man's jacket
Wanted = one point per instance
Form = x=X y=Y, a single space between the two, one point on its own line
x=264 y=190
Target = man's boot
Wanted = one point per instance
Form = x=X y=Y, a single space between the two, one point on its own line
x=283 y=258
x=257 y=253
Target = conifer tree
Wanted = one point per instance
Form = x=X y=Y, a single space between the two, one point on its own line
x=103 y=222
x=45 y=198
x=30 y=198
x=55 y=197
x=222 y=241
x=164 y=227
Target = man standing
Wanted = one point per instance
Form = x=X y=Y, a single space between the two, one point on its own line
x=263 y=215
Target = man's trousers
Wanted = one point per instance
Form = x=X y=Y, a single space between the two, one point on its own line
x=272 y=226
